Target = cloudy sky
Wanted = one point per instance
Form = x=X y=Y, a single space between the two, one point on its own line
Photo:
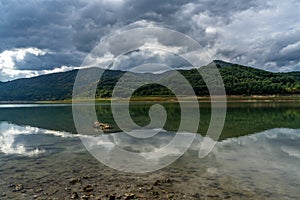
x=40 y=37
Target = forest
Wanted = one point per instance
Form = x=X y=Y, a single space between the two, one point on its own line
x=238 y=80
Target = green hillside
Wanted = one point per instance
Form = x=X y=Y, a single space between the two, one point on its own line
x=238 y=80
x=247 y=80
x=47 y=87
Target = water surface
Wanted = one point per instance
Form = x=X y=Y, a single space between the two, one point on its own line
x=256 y=157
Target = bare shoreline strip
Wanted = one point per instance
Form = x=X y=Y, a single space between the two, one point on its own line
x=230 y=98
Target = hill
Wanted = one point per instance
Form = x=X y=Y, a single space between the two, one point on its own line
x=238 y=80
x=46 y=87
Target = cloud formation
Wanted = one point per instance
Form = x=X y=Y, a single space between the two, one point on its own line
x=264 y=34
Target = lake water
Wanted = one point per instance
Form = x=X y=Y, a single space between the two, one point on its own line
x=256 y=157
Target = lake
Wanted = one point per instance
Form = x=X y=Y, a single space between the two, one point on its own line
x=257 y=155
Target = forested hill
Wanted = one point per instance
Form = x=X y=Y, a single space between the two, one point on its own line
x=46 y=87
x=238 y=80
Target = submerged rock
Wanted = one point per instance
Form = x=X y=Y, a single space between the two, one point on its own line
x=88 y=188
x=112 y=197
x=157 y=183
x=74 y=181
x=197 y=196
x=18 y=187
x=85 y=197
x=74 y=195
x=129 y=196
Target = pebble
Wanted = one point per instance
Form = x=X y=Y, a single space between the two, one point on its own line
x=170 y=196
x=168 y=180
x=85 y=197
x=112 y=197
x=88 y=188
x=18 y=187
x=129 y=196
x=39 y=190
x=74 y=195
x=86 y=177
x=213 y=195
x=197 y=196
x=74 y=181
x=157 y=183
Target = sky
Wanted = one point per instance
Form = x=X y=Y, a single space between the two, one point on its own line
x=40 y=37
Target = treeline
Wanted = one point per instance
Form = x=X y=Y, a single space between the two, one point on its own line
x=238 y=80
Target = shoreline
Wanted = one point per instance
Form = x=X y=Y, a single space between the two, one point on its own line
x=204 y=99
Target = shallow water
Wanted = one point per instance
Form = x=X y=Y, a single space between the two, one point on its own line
x=256 y=157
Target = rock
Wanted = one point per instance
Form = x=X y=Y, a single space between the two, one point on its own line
x=96 y=125
x=215 y=185
x=74 y=181
x=3 y=194
x=105 y=126
x=157 y=183
x=86 y=177
x=85 y=197
x=155 y=193
x=160 y=182
x=101 y=125
x=213 y=195
x=226 y=195
x=18 y=187
x=74 y=195
x=170 y=196
x=141 y=196
x=39 y=190
x=168 y=180
x=54 y=191
x=112 y=197
x=88 y=188
x=149 y=188
x=129 y=196
x=197 y=196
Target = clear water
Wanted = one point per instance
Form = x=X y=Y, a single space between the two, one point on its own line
x=258 y=152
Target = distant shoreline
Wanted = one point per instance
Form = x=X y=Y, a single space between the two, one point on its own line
x=230 y=98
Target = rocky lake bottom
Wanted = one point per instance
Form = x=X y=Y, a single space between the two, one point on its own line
x=257 y=158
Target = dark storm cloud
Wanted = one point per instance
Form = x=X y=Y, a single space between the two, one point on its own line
x=80 y=24
x=263 y=34
x=136 y=58
x=48 y=61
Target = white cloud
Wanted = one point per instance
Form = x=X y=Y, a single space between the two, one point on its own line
x=58 y=69
x=8 y=57
x=10 y=74
x=159 y=48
